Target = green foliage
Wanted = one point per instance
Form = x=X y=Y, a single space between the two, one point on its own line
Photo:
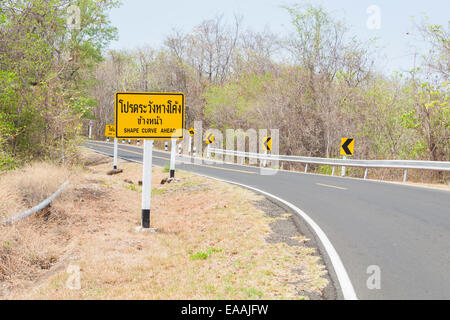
x=46 y=75
x=235 y=99
x=325 y=170
x=131 y=186
x=157 y=191
x=7 y=163
x=166 y=167
x=252 y=292
x=203 y=255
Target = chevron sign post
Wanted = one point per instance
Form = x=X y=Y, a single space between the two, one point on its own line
x=347 y=148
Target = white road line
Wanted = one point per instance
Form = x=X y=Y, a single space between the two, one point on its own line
x=344 y=280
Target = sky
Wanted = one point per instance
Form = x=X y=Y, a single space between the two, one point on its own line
x=148 y=22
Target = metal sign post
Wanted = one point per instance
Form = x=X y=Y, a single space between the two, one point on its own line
x=190 y=146
x=147 y=183
x=343 y=167
x=172 y=158
x=90 y=129
x=115 y=153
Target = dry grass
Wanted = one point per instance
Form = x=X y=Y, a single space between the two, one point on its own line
x=24 y=188
x=210 y=244
x=33 y=245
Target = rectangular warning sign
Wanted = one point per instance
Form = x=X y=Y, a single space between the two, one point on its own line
x=110 y=130
x=149 y=115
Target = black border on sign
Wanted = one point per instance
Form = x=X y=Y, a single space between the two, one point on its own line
x=154 y=94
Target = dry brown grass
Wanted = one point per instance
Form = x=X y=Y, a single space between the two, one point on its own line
x=211 y=243
x=24 y=188
x=34 y=244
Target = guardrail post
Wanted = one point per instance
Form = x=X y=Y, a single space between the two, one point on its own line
x=306 y=168
x=405 y=174
x=365 y=173
x=332 y=170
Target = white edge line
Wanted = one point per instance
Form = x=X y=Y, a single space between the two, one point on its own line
x=343 y=278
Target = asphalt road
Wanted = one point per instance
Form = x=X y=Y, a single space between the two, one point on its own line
x=404 y=230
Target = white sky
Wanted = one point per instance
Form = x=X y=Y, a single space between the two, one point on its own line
x=143 y=22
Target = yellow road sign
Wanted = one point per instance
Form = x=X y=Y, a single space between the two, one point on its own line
x=149 y=115
x=267 y=143
x=209 y=138
x=347 y=146
x=191 y=132
x=110 y=130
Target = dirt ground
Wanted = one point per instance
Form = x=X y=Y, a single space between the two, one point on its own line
x=213 y=241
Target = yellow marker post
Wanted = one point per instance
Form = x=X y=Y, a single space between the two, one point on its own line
x=347 y=148
x=191 y=134
x=267 y=146
x=208 y=141
x=110 y=131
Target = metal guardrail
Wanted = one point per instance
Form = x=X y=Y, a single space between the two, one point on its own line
x=37 y=208
x=400 y=164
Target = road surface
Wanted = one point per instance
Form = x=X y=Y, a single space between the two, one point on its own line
x=404 y=230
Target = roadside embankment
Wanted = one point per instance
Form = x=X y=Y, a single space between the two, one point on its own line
x=214 y=241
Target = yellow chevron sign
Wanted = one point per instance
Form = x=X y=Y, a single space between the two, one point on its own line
x=209 y=138
x=347 y=146
x=267 y=143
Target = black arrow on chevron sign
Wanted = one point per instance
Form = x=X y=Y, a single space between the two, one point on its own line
x=266 y=143
x=210 y=138
x=345 y=146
